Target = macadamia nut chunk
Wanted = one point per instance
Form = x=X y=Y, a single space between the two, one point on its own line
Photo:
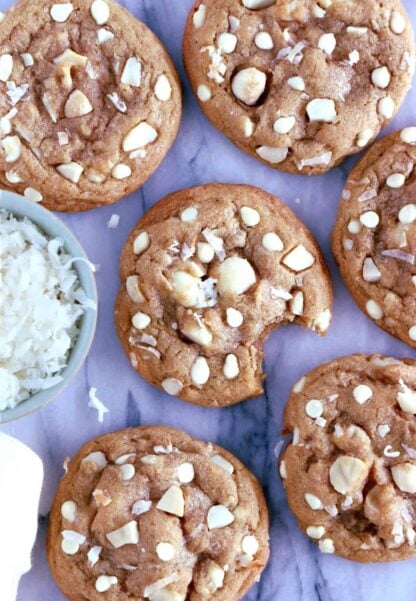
x=191 y=518
x=206 y=274
x=350 y=470
x=90 y=102
x=299 y=84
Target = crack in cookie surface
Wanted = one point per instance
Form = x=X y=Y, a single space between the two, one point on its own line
x=350 y=471
x=301 y=84
x=206 y=275
x=374 y=239
x=90 y=102
x=151 y=513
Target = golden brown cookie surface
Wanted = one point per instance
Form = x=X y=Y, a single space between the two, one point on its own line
x=150 y=513
x=206 y=275
x=350 y=471
x=90 y=102
x=374 y=239
x=303 y=84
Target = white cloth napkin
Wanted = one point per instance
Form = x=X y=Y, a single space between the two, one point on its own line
x=21 y=477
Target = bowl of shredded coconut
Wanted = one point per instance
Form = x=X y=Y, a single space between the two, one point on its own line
x=48 y=306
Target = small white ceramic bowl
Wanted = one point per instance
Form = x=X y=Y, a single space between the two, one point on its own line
x=55 y=228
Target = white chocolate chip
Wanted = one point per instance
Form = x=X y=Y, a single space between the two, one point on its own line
x=163 y=89
x=257 y=4
x=69 y=57
x=6 y=66
x=314 y=502
x=204 y=93
x=165 y=551
x=205 y=252
x=69 y=511
x=354 y=57
x=315 y=532
x=408 y=135
x=397 y=23
x=283 y=125
x=13 y=177
x=381 y=77
x=364 y=137
x=12 y=148
x=104 y=583
x=128 y=471
x=104 y=35
x=248 y=85
x=199 y=16
x=373 y=309
x=236 y=276
x=33 y=195
x=406 y=397
x=347 y=474
x=77 y=105
x=234 y=317
x=357 y=30
x=250 y=216
x=97 y=460
x=297 y=303
x=227 y=42
x=126 y=535
x=264 y=41
x=412 y=333
x=404 y=476
x=27 y=59
x=189 y=214
x=172 y=386
x=172 y=502
x=121 y=171
x=371 y=273
x=314 y=408
x=386 y=107
x=407 y=214
x=327 y=43
x=321 y=109
x=200 y=335
x=383 y=430
x=200 y=371
x=185 y=288
x=362 y=393
x=354 y=226
x=71 y=171
x=299 y=259
x=250 y=545
x=395 y=180
x=60 y=12
x=296 y=83
x=223 y=463
x=299 y=385
x=248 y=127
x=139 y=136
x=326 y=545
x=272 y=155
x=140 y=320
x=93 y=555
x=186 y=473
x=231 y=369
x=216 y=575
x=219 y=517
x=141 y=506
x=100 y=12
x=272 y=242
x=132 y=72
x=69 y=547
x=141 y=243
x=370 y=219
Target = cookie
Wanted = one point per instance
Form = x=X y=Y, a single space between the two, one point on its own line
x=205 y=276
x=374 y=238
x=299 y=85
x=90 y=102
x=152 y=513
x=350 y=471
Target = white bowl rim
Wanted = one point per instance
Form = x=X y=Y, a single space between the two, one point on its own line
x=52 y=226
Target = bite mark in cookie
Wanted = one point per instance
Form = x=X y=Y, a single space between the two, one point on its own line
x=351 y=478
x=190 y=524
x=206 y=275
x=90 y=102
x=301 y=84
x=374 y=238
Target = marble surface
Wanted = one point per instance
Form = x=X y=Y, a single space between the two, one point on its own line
x=297 y=571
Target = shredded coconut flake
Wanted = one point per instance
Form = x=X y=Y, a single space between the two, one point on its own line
x=94 y=555
x=396 y=253
x=74 y=537
x=216 y=242
x=95 y=403
x=367 y=195
x=40 y=305
x=16 y=93
x=113 y=222
x=323 y=159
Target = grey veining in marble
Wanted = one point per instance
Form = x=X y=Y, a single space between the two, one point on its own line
x=297 y=571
